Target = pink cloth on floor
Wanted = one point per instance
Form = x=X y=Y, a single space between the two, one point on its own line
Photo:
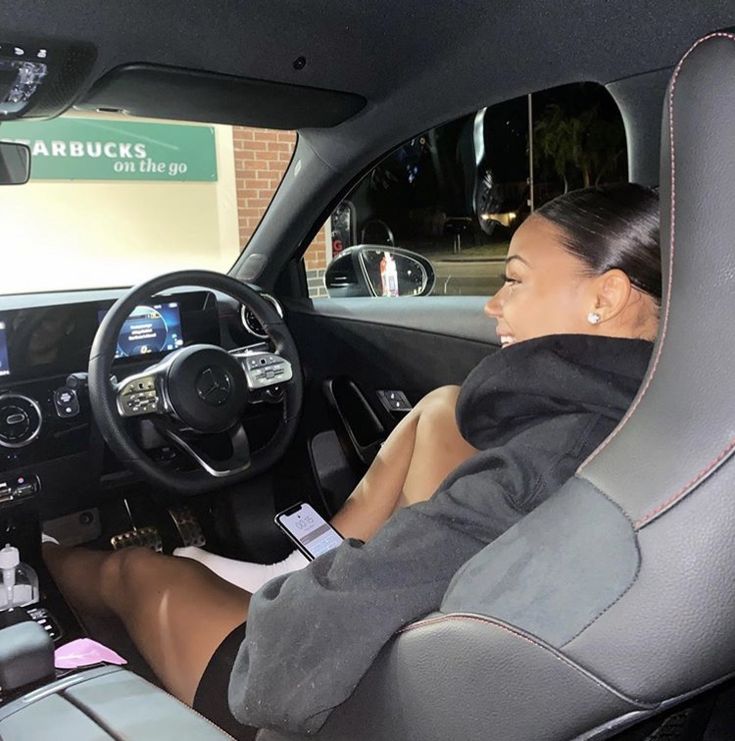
x=84 y=652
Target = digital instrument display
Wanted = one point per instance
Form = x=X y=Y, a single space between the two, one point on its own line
x=4 y=362
x=149 y=329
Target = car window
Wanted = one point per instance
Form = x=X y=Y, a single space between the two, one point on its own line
x=115 y=200
x=456 y=194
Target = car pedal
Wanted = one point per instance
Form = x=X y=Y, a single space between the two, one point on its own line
x=188 y=527
x=146 y=537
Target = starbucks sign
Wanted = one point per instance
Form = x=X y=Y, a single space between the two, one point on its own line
x=104 y=149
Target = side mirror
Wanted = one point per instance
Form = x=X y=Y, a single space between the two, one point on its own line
x=15 y=163
x=375 y=270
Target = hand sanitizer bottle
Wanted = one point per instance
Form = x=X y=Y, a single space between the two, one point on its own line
x=19 y=580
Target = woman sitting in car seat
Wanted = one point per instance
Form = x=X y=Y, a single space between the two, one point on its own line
x=576 y=318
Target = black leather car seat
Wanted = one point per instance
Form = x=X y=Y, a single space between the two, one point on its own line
x=615 y=598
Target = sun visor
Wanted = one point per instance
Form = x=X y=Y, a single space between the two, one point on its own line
x=170 y=92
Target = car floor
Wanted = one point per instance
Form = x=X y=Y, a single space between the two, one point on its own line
x=111 y=632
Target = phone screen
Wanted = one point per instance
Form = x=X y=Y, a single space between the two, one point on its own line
x=309 y=530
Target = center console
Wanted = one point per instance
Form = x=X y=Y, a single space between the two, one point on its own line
x=102 y=703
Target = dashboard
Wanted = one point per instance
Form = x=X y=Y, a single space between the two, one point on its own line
x=49 y=445
x=39 y=341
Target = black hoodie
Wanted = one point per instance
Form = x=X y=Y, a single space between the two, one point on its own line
x=535 y=411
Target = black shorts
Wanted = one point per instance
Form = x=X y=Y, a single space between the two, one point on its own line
x=210 y=699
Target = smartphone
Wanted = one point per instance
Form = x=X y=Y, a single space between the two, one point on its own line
x=310 y=532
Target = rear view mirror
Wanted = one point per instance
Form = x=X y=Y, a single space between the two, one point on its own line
x=376 y=270
x=15 y=163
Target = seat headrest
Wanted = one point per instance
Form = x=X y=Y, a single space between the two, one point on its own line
x=681 y=426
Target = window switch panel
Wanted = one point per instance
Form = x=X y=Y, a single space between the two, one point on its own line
x=395 y=401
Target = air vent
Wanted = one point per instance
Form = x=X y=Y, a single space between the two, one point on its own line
x=251 y=322
x=20 y=420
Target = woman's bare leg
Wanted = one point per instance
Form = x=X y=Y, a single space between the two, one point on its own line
x=417 y=456
x=176 y=611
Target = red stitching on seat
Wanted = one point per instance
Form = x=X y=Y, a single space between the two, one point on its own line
x=667 y=305
x=483 y=619
x=476 y=618
x=529 y=639
x=638 y=524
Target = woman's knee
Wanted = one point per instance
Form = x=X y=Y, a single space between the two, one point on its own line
x=122 y=569
x=133 y=567
x=132 y=571
x=439 y=405
x=437 y=431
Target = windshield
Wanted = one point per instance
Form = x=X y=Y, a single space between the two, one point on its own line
x=113 y=201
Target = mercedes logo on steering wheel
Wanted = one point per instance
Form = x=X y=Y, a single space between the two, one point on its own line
x=213 y=386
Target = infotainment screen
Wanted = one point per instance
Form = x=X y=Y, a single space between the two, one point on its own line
x=4 y=363
x=155 y=328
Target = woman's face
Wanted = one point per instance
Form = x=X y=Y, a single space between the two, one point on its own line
x=546 y=290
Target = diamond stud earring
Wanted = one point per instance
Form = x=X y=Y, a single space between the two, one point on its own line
x=593 y=317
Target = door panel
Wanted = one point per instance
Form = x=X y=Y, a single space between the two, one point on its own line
x=460 y=317
x=352 y=348
x=413 y=345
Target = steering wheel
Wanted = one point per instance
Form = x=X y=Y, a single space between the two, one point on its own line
x=196 y=392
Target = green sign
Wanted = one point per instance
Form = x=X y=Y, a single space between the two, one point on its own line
x=104 y=149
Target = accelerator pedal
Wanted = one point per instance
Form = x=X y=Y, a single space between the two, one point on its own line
x=188 y=527
x=146 y=537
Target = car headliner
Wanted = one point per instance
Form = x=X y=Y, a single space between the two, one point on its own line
x=417 y=63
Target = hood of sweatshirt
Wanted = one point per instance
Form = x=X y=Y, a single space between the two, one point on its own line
x=552 y=375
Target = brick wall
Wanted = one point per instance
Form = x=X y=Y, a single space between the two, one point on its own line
x=261 y=157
